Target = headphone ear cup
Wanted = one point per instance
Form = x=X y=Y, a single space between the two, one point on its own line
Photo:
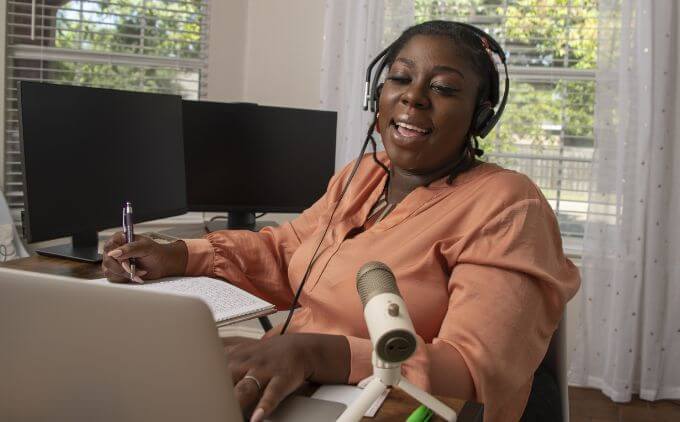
x=484 y=114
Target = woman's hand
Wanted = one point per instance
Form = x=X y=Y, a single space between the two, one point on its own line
x=152 y=259
x=266 y=371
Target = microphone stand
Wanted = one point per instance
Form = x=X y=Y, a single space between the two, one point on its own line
x=385 y=375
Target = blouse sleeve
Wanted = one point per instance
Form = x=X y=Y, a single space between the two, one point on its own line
x=507 y=293
x=258 y=261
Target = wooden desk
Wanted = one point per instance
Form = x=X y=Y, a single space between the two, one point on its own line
x=397 y=406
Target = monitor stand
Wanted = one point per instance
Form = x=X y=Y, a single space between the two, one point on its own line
x=83 y=248
x=241 y=220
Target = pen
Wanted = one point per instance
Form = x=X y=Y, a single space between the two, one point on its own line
x=129 y=231
x=421 y=414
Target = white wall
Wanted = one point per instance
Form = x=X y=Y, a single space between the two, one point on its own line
x=283 y=57
x=279 y=48
x=227 y=49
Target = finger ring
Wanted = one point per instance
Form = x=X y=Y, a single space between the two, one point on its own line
x=255 y=380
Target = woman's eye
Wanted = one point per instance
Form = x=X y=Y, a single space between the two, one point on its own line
x=399 y=79
x=444 y=89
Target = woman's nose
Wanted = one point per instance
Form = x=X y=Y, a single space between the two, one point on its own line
x=415 y=97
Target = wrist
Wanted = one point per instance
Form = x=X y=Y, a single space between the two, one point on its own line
x=327 y=358
x=177 y=254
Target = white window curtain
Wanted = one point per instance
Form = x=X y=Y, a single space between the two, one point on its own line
x=629 y=332
x=353 y=36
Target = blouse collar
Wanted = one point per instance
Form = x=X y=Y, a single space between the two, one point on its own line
x=420 y=198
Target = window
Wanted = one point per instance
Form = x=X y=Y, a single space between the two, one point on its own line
x=142 y=45
x=546 y=130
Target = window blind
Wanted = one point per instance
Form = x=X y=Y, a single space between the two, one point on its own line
x=546 y=130
x=140 y=45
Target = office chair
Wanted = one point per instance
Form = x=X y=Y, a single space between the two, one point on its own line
x=549 y=398
x=555 y=361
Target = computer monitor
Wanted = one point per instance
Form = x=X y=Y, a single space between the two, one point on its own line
x=86 y=150
x=245 y=158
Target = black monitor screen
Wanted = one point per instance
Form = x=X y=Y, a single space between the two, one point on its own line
x=244 y=157
x=86 y=150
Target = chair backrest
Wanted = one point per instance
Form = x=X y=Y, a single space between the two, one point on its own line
x=6 y=218
x=555 y=361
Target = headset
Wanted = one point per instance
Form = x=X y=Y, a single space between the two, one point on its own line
x=485 y=117
x=484 y=120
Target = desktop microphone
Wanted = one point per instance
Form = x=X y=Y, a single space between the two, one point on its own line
x=393 y=339
x=387 y=318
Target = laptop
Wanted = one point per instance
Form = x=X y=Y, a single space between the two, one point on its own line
x=75 y=351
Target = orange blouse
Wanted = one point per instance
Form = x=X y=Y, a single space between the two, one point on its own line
x=479 y=263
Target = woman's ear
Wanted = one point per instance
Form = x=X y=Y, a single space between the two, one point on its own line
x=377 y=122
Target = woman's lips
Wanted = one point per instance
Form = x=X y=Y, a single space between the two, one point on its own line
x=408 y=135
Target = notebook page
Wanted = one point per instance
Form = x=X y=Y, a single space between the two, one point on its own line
x=224 y=300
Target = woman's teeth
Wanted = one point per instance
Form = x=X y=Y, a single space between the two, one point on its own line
x=410 y=131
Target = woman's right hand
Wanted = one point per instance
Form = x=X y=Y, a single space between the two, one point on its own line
x=152 y=260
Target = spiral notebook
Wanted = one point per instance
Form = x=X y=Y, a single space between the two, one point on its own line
x=228 y=304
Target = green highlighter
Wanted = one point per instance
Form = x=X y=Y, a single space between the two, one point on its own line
x=421 y=414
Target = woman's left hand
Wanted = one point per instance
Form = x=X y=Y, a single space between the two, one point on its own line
x=266 y=371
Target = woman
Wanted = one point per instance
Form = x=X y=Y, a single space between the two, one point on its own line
x=475 y=249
